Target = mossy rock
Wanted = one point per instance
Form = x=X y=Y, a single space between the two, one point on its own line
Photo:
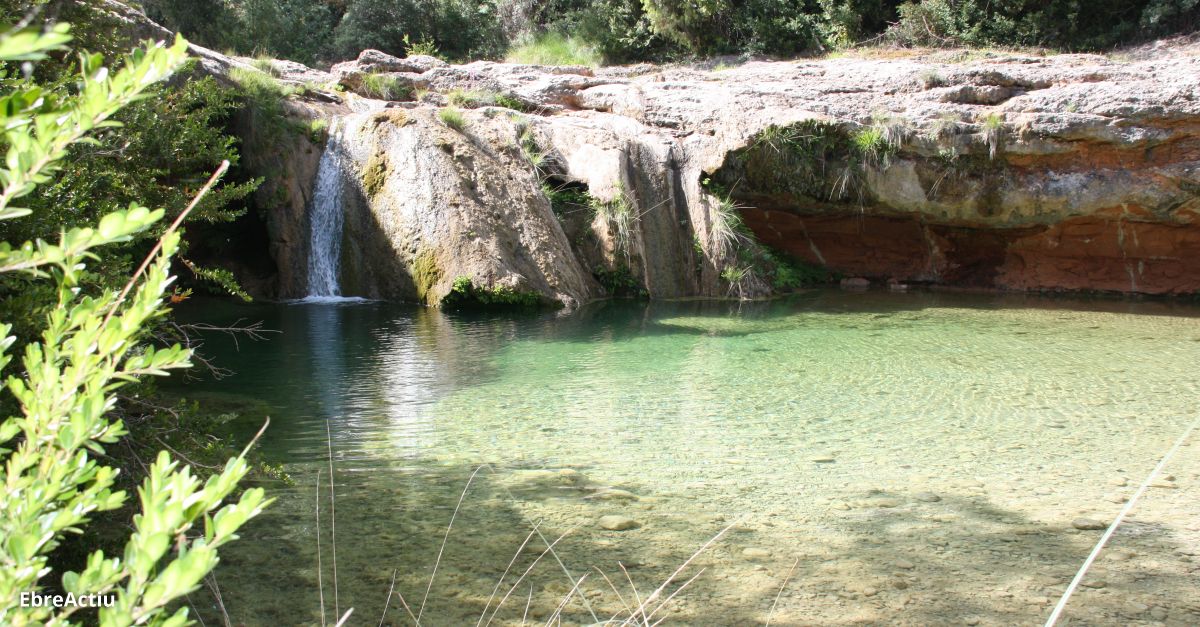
x=375 y=174
x=425 y=275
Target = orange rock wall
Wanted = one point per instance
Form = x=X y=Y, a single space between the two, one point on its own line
x=1084 y=253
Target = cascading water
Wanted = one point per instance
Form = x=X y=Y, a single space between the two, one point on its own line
x=325 y=217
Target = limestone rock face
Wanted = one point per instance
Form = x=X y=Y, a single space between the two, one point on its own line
x=427 y=205
x=999 y=171
x=1011 y=172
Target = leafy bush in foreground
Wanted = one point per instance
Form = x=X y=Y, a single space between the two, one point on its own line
x=92 y=345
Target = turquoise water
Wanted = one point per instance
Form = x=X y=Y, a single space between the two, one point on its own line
x=895 y=458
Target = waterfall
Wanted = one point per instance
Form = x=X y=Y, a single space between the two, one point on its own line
x=325 y=217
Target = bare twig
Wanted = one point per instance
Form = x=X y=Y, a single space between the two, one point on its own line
x=407 y=608
x=1112 y=528
x=212 y=180
x=332 y=518
x=636 y=597
x=771 y=614
x=525 y=574
x=563 y=604
x=320 y=578
x=528 y=602
x=345 y=617
x=620 y=596
x=546 y=542
x=682 y=566
x=445 y=539
x=505 y=574
x=215 y=588
x=672 y=597
x=388 y=602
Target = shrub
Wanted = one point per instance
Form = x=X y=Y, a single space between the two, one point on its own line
x=1068 y=24
x=425 y=47
x=554 y=48
x=458 y=29
x=91 y=346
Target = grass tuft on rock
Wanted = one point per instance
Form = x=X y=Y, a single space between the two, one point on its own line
x=384 y=87
x=452 y=117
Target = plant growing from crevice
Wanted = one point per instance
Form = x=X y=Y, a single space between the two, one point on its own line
x=619 y=214
x=531 y=150
x=897 y=130
x=812 y=158
x=873 y=147
x=727 y=230
x=375 y=174
x=567 y=197
x=318 y=130
x=453 y=118
x=994 y=131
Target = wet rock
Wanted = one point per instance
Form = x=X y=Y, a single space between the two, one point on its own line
x=1088 y=524
x=618 y=523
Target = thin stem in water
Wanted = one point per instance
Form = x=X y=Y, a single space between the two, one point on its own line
x=332 y=519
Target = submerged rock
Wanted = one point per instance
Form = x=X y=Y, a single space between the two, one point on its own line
x=615 y=522
x=1088 y=524
x=755 y=553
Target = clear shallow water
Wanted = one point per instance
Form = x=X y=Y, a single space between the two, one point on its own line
x=919 y=457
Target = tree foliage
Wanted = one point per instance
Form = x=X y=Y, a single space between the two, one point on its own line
x=91 y=345
x=639 y=30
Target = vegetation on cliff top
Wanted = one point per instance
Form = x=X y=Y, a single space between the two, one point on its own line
x=586 y=31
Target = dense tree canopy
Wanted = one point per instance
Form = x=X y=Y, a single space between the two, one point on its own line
x=324 y=31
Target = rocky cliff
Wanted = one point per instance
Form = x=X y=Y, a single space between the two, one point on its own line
x=1069 y=172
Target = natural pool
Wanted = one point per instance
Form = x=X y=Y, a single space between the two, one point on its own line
x=908 y=458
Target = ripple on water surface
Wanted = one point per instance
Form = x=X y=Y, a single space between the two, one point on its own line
x=920 y=458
